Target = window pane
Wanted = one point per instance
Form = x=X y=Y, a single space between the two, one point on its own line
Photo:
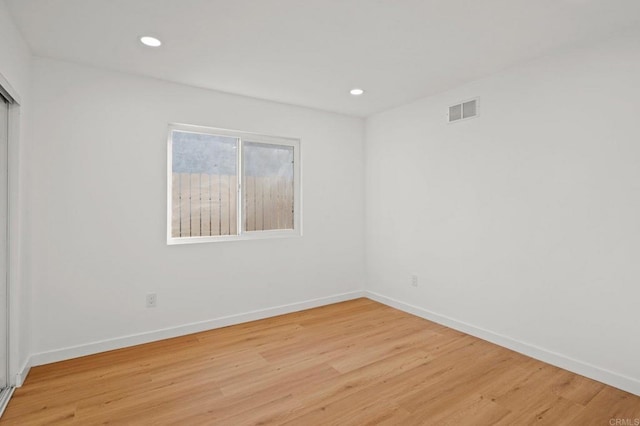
x=268 y=186
x=204 y=189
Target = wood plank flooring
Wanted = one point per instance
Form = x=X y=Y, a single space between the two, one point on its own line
x=352 y=363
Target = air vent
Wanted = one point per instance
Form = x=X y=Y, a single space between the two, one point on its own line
x=463 y=110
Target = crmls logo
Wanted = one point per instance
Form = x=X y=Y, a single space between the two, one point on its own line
x=624 y=422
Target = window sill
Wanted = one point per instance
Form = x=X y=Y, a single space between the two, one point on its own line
x=247 y=236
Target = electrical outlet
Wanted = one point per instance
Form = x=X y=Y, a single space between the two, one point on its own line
x=152 y=300
x=414 y=281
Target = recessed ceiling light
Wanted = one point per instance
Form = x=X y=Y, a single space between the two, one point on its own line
x=150 y=41
x=356 y=92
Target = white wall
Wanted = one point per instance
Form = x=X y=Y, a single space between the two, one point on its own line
x=15 y=56
x=97 y=197
x=522 y=224
x=15 y=69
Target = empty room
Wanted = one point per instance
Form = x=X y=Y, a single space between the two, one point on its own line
x=336 y=212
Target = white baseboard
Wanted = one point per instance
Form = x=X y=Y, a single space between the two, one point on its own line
x=617 y=380
x=23 y=373
x=167 y=333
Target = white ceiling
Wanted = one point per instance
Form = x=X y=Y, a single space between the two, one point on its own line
x=311 y=52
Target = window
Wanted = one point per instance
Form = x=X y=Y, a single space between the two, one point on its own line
x=229 y=185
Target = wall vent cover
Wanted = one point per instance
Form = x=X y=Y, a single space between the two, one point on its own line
x=463 y=110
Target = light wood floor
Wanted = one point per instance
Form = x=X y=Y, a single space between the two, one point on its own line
x=351 y=363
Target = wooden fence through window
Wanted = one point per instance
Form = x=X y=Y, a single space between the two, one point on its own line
x=206 y=205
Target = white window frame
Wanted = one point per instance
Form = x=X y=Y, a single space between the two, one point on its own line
x=242 y=136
